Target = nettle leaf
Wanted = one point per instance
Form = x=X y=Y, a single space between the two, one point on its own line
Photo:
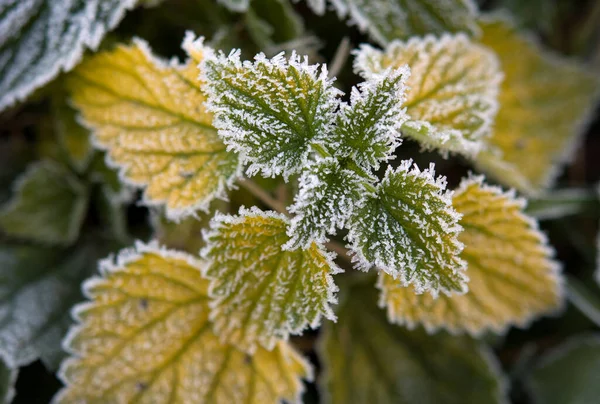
x=409 y=229
x=41 y=38
x=38 y=287
x=263 y=293
x=546 y=102
x=48 y=205
x=368 y=130
x=569 y=373
x=152 y=297
x=513 y=277
x=454 y=84
x=386 y=20
x=327 y=197
x=367 y=360
x=151 y=119
x=271 y=111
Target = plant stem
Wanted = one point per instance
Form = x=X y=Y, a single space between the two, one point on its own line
x=340 y=57
x=583 y=299
x=340 y=250
x=264 y=196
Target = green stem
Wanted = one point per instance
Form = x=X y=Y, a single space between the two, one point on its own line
x=321 y=151
x=583 y=299
x=264 y=196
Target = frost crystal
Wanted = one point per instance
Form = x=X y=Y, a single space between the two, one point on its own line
x=327 y=197
x=41 y=38
x=368 y=130
x=410 y=231
x=270 y=110
x=263 y=293
x=454 y=85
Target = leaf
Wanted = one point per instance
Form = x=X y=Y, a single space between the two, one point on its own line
x=368 y=360
x=569 y=373
x=327 y=197
x=453 y=94
x=150 y=117
x=38 y=286
x=368 y=130
x=48 y=205
x=8 y=378
x=41 y=38
x=409 y=230
x=513 y=276
x=546 y=102
x=386 y=20
x=272 y=23
x=262 y=293
x=271 y=111
x=236 y=5
x=145 y=336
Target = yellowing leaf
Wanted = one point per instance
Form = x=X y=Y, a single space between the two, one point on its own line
x=151 y=119
x=453 y=89
x=545 y=103
x=513 y=278
x=145 y=337
x=368 y=360
x=262 y=292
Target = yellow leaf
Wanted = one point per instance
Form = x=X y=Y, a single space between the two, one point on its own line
x=262 y=292
x=453 y=89
x=513 y=277
x=545 y=104
x=146 y=337
x=151 y=119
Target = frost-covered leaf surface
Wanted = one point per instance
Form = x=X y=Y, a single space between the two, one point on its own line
x=386 y=20
x=8 y=378
x=40 y=38
x=545 y=103
x=368 y=129
x=409 y=229
x=270 y=110
x=145 y=336
x=513 y=277
x=151 y=119
x=453 y=89
x=327 y=197
x=48 y=205
x=264 y=293
x=569 y=373
x=38 y=287
x=367 y=360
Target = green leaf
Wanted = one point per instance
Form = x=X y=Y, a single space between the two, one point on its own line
x=38 y=286
x=41 y=38
x=273 y=22
x=145 y=336
x=8 y=378
x=327 y=197
x=409 y=229
x=262 y=293
x=454 y=85
x=368 y=360
x=151 y=119
x=368 y=130
x=568 y=374
x=48 y=205
x=386 y=20
x=271 y=110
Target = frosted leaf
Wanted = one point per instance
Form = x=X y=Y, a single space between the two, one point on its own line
x=410 y=231
x=513 y=277
x=235 y=5
x=41 y=38
x=546 y=102
x=386 y=20
x=327 y=197
x=150 y=118
x=367 y=360
x=454 y=84
x=263 y=293
x=48 y=205
x=145 y=336
x=368 y=130
x=270 y=110
x=38 y=287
